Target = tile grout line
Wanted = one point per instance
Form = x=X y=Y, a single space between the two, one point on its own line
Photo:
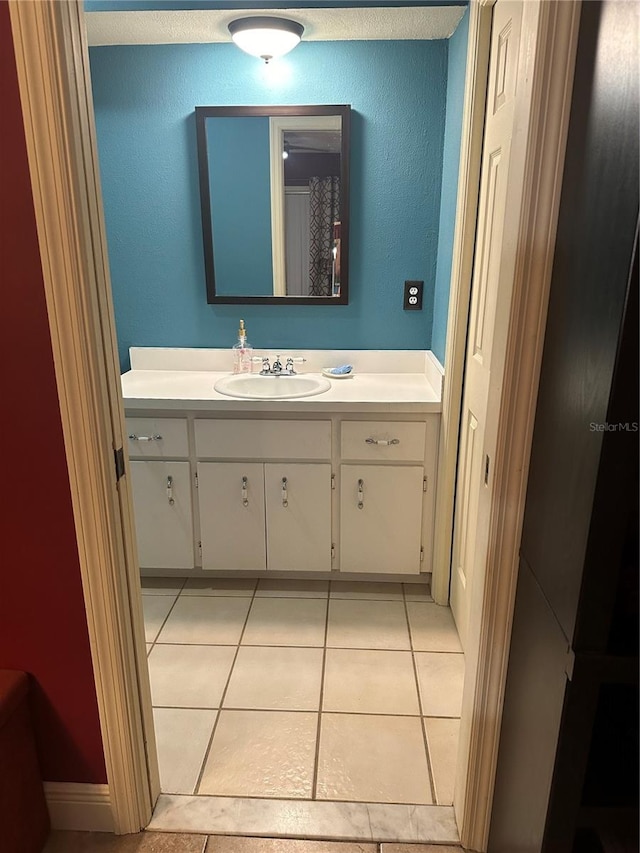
x=154 y=641
x=196 y=789
x=432 y=781
x=309 y=801
x=314 y=784
x=304 y=711
x=294 y=646
x=164 y=622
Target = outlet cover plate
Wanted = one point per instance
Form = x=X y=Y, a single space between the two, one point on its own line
x=413 y=295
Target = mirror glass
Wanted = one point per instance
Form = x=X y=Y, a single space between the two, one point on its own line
x=274 y=190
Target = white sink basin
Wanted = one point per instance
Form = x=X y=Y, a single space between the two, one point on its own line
x=255 y=387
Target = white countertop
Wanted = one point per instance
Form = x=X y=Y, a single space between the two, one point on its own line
x=158 y=388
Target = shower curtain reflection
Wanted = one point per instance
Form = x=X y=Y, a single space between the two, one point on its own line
x=324 y=212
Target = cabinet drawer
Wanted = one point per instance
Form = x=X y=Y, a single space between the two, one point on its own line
x=383 y=440
x=223 y=439
x=159 y=437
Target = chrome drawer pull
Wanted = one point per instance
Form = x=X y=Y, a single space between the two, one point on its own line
x=134 y=437
x=383 y=441
x=170 y=490
x=245 y=499
x=285 y=497
x=360 y=494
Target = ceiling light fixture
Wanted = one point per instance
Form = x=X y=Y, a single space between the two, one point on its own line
x=266 y=37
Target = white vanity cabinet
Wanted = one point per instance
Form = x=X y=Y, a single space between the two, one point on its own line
x=386 y=507
x=275 y=514
x=349 y=493
x=161 y=487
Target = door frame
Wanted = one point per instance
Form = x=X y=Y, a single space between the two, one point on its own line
x=55 y=92
x=546 y=68
x=53 y=72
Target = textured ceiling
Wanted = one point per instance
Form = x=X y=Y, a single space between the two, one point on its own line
x=179 y=27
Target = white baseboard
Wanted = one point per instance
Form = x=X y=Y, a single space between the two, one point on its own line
x=76 y=805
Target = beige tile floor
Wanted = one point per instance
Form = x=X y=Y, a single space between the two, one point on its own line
x=311 y=690
x=156 y=842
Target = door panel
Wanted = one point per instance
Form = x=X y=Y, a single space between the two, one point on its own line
x=231 y=497
x=491 y=290
x=469 y=476
x=164 y=530
x=298 y=517
x=380 y=518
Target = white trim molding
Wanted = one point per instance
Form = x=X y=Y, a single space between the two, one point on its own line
x=78 y=806
x=549 y=63
x=53 y=74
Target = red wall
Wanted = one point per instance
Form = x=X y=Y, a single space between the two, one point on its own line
x=43 y=627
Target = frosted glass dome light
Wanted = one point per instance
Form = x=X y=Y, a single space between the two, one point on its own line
x=266 y=37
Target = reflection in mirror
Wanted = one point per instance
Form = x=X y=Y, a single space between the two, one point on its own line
x=274 y=193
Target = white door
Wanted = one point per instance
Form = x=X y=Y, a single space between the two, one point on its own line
x=381 y=518
x=298 y=501
x=296 y=229
x=231 y=498
x=163 y=516
x=493 y=269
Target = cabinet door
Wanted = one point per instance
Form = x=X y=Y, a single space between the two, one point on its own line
x=163 y=515
x=298 y=517
x=231 y=498
x=380 y=519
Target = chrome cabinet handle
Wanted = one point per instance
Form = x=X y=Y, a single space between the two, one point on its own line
x=134 y=437
x=360 y=494
x=285 y=496
x=382 y=441
x=245 y=499
x=170 y=490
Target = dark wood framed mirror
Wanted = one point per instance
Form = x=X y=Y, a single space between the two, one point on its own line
x=274 y=193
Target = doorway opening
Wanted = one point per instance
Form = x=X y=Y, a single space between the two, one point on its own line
x=387 y=739
x=106 y=594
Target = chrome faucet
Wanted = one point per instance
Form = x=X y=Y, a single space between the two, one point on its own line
x=276 y=369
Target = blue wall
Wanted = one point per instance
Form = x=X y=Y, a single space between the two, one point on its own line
x=144 y=99
x=240 y=186
x=457 y=64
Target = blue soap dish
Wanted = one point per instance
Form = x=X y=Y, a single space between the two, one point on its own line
x=343 y=372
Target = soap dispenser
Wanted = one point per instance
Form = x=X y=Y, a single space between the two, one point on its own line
x=242 y=352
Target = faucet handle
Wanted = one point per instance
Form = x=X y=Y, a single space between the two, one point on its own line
x=289 y=367
x=266 y=367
